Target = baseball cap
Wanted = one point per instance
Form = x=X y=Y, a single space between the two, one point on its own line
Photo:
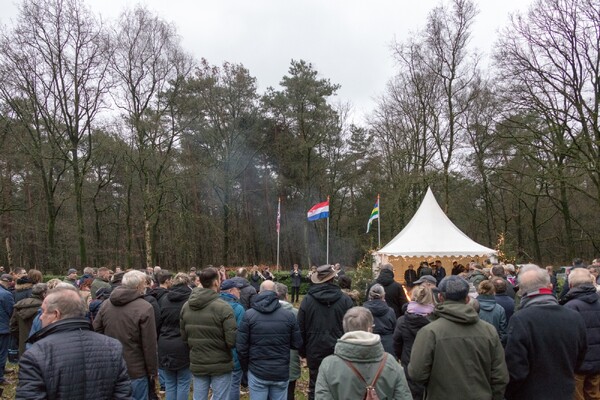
x=71 y=271
x=6 y=278
x=426 y=278
x=230 y=284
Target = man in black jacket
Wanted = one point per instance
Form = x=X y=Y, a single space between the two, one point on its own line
x=93 y=368
x=265 y=337
x=320 y=319
x=546 y=342
x=394 y=292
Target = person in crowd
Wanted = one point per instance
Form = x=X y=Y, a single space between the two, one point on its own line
x=407 y=326
x=510 y=273
x=583 y=298
x=345 y=283
x=424 y=269
x=101 y=281
x=208 y=326
x=440 y=354
x=475 y=275
x=267 y=275
x=152 y=300
x=595 y=271
x=7 y=303
x=410 y=276
x=498 y=271
x=256 y=277
x=85 y=288
x=457 y=268
x=546 y=342
x=45 y=371
x=553 y=280
x=72 y=277
x=320 y=320
x=165 y=281
x=295 y=366
x=577 y=263
x=395 y=296
x=384 y=316
x=296 y=278
x=101 y=295
x=439 y=272
x=88 y=273
x=310 y=273
x=24 y=285
x=24 y=313
x=265 y=337
x=230 y=293
x=222 y=273
x=359 y=360
x=8 y=282
x=504 y=300
x=127 y=317
x=173 y=352
x=247 y=291
x=490 y=311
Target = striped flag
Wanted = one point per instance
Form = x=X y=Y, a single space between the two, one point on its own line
x=318 y=211
x=374 y=214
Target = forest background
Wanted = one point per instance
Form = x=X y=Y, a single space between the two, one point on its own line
x=119 y=148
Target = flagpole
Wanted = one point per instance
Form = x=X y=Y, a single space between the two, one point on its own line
x=278 y=228
x=327 y=262
x=379 y=223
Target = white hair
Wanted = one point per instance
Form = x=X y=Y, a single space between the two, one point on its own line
x=133 y=279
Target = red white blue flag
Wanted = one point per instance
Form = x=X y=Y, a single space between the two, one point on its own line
x=318 y=211
x=279 y=215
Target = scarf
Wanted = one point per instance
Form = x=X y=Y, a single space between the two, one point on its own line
x=419 y=309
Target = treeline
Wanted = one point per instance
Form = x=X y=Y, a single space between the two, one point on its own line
x=119 y=148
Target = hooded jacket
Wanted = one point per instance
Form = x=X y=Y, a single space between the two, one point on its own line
x=494 y=314
x=238 y=313
x=385 y=322
x=93 y=368
x=364 y=350
x=320 y=319
x=207 y=325
x=23 y=288
x=24 y=312
x=7 y=303
x=247 y=291
x=394 y=293
x=127 y=317
x=458 y=356
x=265 y=337
x=585 y=300
x=173 y=352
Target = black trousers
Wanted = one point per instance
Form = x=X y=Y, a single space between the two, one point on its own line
x=291 y=390
x=295 y=292
x=312 y=381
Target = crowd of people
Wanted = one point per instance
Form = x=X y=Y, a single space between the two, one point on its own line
x=501 y=332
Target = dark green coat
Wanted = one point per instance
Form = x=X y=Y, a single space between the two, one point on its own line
x=208 y=326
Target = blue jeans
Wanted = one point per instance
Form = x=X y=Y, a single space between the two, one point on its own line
x=161 y=378
x=177 y=383
x=266 y=390
x=4 y=341
x=139 y=388
x=220 y=385
x=236 y=379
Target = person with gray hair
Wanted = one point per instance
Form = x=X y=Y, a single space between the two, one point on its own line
x=583 y=298
x=384 y=315
x=46 y=371
x=546 y=342
x=130 y=319
x=359 y=360
x=454 y=342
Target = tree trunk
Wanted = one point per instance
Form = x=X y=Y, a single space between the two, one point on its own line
x=78 y=183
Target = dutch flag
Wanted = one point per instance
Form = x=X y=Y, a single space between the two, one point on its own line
x=318 y=211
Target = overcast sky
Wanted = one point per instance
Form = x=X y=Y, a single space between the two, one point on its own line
x=347 y=41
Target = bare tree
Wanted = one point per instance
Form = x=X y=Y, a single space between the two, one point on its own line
x=150 y=67
x=56 y=58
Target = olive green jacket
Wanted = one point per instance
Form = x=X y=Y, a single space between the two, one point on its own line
x=458 y=356
x=208 y=326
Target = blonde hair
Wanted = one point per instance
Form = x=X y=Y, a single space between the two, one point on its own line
x=181 y=279
x=422 y=295
x=52 y=283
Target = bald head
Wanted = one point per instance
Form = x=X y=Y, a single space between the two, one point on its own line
x=267 y=285
x=62 y=303
x=580 y=276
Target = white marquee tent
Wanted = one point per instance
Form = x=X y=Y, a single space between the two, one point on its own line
x=431 y=234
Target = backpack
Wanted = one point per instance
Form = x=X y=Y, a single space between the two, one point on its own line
x=370 y=393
